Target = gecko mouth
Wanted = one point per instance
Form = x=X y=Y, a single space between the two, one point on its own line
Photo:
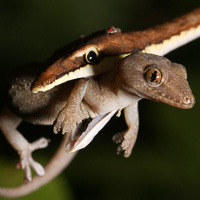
x=185 y=102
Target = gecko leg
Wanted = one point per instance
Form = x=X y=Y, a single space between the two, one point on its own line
x=127 y=138
x=8 y=124
x=68 y=117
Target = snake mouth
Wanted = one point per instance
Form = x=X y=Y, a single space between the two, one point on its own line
x=86 y=131
x=47 y=80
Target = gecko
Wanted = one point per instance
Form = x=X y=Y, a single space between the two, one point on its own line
x=89 y=101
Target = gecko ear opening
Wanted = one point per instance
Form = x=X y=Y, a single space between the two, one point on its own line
x=86 y=131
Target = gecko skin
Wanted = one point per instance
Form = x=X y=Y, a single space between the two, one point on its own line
x=137 y=76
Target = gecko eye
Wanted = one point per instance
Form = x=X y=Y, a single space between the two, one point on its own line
x=91 y=55
x=153 y=76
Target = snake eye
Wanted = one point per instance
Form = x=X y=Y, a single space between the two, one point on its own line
x=91 y=55
x=153 y=76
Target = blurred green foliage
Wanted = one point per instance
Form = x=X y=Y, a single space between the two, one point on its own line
x=165 y=162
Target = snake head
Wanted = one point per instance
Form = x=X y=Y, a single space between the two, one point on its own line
x=85 y=57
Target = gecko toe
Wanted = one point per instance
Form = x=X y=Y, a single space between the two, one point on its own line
x=57 y=127
x=118 y=137
x=38 y=168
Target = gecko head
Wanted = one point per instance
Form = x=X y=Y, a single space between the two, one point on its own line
x=156 y=78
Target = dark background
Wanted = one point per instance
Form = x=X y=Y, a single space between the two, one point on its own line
x=165 y=163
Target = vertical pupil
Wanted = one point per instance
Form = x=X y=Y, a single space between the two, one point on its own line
x=92 y=57
x=153 y=76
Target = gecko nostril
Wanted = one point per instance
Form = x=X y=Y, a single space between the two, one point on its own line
x=187 y=100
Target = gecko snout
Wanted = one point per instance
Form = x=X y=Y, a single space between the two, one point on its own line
x=189 y=101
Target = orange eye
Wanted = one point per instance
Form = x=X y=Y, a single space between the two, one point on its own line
x=153 y=76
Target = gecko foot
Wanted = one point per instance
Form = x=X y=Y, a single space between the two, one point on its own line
x=126 y=144
x=26 y=160
x=65 y=122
